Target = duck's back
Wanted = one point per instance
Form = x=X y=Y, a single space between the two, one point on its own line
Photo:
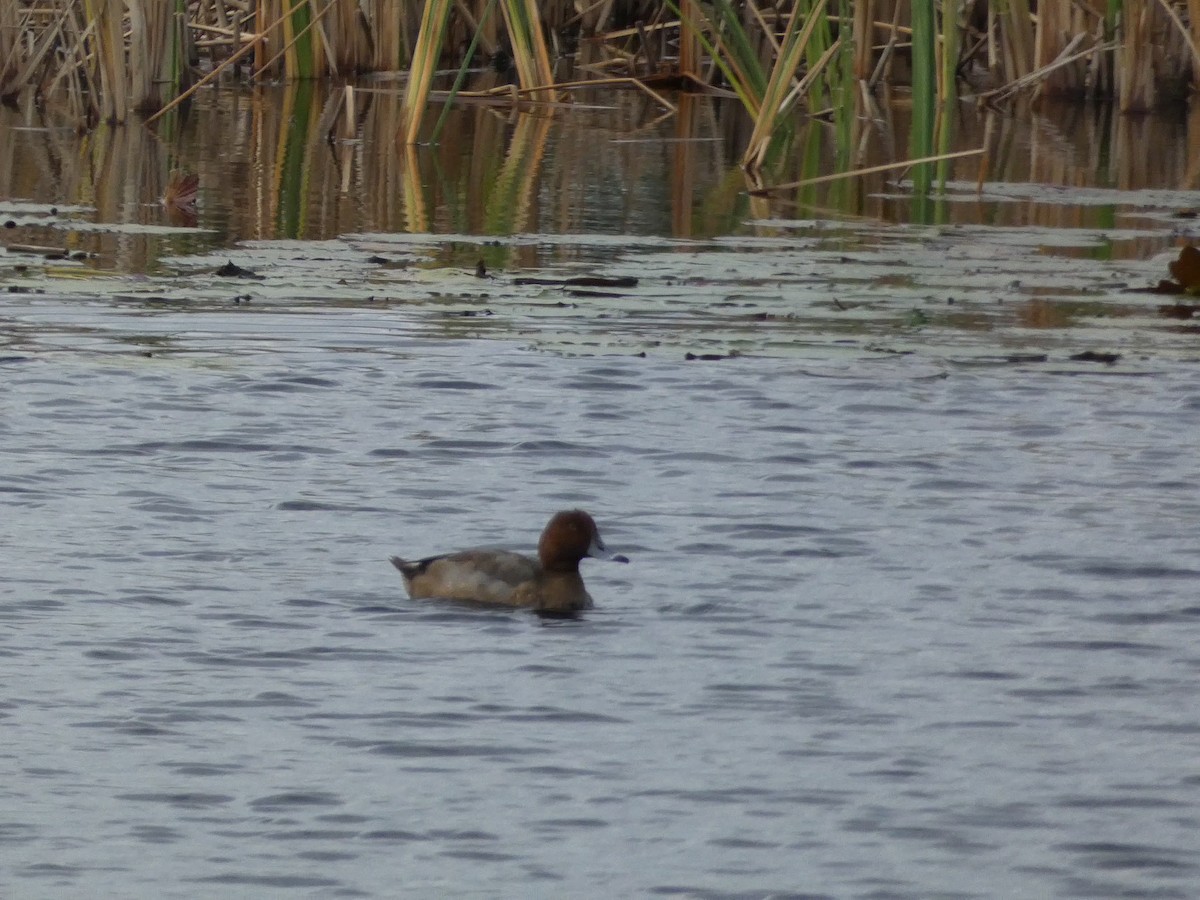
x=485 y=576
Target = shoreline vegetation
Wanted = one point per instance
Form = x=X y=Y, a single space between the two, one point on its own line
x=118 y=61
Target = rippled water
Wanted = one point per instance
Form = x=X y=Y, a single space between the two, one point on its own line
x=893 y=628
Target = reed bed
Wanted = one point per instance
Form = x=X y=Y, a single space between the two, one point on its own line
x=106 y=60
x=267 y=171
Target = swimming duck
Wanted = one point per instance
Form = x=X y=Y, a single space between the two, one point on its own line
x=550 y=583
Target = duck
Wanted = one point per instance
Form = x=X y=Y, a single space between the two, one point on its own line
x=550 y=583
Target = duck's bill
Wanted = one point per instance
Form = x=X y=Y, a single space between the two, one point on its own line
x=598 y=551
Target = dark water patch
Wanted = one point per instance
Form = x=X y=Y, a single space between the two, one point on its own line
x=430 y=750
x=109 y=655
x=49 y=870
x=266 y=881
x=557 y=772
x=1096 y=645
x=1090 y=888
x=716 y=796
x=295 y=800
x=280 y=387
x=556 y=448
x=768 y=530
x=743 y=844
x=1015 y=816
x=1182 y=728
x=128 y=727
x=202 y=770
x=1137 y=570
x=267 y=699
x=23 y=491
x=17 y=833
x=542 y=714
x=985 y=675
x=1048 y=694
x=892 y=774
x=155 y=834
x=602 y=384
x=953 y=486
x=1109 y=569
x=1120 y=802
x=479 y=855
x=330 y=856
x=1135 y=619
x=799 y=460
x=198 y=445
x=453 y=384
x=249 y=660
x=463 y=446
x=393 y=835
x=181 y=800
x=556 y=825
x=1134 y=857
x=456 y=834
x=147 y=599
x=312 y=381
x=311 y=834
x=256 y=622
x=319 y=506
x=694 y=892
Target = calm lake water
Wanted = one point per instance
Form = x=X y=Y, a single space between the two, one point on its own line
x=892 y=627
x=912 y=606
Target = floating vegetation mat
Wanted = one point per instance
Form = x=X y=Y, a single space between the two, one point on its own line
x=971 y=294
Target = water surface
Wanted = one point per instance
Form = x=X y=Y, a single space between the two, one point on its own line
x=894 y=626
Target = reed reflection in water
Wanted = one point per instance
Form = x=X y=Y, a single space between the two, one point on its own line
x=271 y=167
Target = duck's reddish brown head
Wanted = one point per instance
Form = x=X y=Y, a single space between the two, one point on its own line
x=569 y=537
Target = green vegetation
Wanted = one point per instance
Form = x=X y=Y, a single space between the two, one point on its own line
x=105 y=60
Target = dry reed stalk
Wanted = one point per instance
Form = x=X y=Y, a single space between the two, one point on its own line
x=11 y=49
x=903 y=164
x=1058 y=25
x=426 y=53
x=108 y=55
x=389 y=27
x=1193 y=9
x=863 y=31
x=689 y=42
x=1135 y=57
x=1068 y=57
x=588 y=84
x=314 y=24
x=524 y=24
x=348 y=38
x=894 y=30
x=479 y=24
x=264 y=11
x=31 y=51
x=254 y=47
x=779 y=96
x=291 y=57
x=1180 y=54
x=153 y=51
x=1016 y=38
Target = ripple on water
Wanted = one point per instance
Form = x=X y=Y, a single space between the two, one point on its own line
x=879 y=636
